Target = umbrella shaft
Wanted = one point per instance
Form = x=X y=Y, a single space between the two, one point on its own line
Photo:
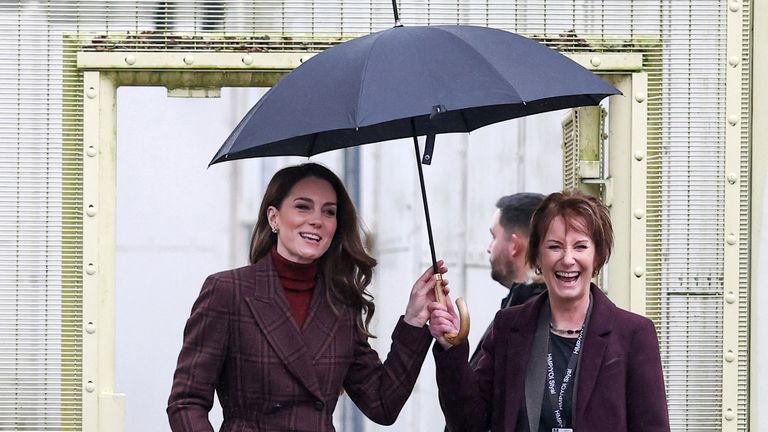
x=424 y=198
x=397 y=16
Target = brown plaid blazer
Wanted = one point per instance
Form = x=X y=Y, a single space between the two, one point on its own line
x=241 y=340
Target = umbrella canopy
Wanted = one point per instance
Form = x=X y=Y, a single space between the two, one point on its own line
x=408 y=81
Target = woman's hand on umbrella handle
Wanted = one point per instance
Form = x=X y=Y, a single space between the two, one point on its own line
x=443 y=321
x=461 y=334
x=422 y=294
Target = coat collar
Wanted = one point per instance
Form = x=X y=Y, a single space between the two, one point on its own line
x=601 y=324
x=297 y=348
x=523 y=329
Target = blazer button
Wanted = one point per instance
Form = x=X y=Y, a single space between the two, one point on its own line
x=319 y=405
x=275 y=408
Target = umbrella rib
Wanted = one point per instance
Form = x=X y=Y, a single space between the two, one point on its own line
x=311 y=145
x=364 y=76
x=492 y=67
x=464 y=120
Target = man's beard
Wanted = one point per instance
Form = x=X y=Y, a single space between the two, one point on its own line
x=497 y=276
x=500 y=276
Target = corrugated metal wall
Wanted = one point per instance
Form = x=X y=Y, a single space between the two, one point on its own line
x=40 y=162
x=689 y=205
x=40 y=220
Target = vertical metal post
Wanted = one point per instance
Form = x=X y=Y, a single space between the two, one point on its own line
x=730 y=238
x=638 y=192
x=103 y=409
x=91 y=325
x=352 y=417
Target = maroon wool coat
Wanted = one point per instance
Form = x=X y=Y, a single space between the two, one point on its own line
x=242 y=341
x=619 y=383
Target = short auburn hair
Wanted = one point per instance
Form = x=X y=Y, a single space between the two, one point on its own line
x=581 y=212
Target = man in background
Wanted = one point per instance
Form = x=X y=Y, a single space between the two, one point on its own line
x=510 y=229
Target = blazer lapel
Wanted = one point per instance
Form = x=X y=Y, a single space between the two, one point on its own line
x=273 y=315
x=598 y=330
x=322 y=322
x=536 y=372
x=518 y=337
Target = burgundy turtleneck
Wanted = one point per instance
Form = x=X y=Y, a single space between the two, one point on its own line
x=298 y=281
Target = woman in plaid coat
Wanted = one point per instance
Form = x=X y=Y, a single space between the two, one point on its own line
x=280 y=339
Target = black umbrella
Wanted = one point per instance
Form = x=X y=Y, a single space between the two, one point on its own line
x=407 y=82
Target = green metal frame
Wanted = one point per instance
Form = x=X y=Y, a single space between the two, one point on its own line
x=103 y=73
x=628 y=165
x=732 y=218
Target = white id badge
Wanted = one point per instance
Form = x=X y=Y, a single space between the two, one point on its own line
x=562 y=430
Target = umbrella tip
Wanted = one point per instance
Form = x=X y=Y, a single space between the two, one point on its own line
x=397 y=15
x=216 y=159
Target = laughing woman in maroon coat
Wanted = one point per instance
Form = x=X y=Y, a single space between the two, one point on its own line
x=280 y=339
x=570 y=360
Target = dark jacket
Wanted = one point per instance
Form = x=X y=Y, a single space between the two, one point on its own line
x=519 y=293
x=619 y=385
x=241 y=340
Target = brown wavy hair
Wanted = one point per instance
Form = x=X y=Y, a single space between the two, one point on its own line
x=346 y=267
x=580 y=211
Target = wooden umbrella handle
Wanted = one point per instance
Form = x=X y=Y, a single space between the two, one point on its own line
x=454 y=338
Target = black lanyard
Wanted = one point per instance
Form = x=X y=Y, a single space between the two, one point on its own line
x=555 y=397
